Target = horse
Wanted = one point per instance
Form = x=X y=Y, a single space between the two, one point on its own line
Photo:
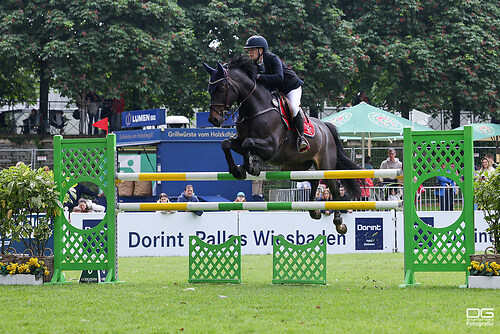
x=261 y=132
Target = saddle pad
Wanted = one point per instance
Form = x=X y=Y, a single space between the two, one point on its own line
x=287 y=118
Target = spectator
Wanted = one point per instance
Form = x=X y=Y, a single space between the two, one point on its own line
x=85 y=205
x=365 y=186
x=491 y=160
x=344 y=197
x=80 y=190
x=486 y=166
x=93 y=111
x=391 y=163
x=240 y=197
x=189 y=196
x=58 y=121
x=327 y=196
x=164 y=199
x=368 y=162
x=445 y=191
x=319 y=192
x=32 y=123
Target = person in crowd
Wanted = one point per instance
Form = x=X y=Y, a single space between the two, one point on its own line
x=240 y=197
x=365 y=186
x=486 y=166
x=80 y=190
x=93 y=111
x=274 y=74
x=368 y=162
x=163 y=198
x=86 y=205
x=491 y=160
x=445 y=191
x=344 y=197
x=58 y=121
x=188 y=196
x=391 y=163
x=319 y=192
x=327 y=196
x=33 y=122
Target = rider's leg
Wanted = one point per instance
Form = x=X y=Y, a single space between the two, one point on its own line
x=298 y=119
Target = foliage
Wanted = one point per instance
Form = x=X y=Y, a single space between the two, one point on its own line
x=32 y=267
x=428 y=55
x=484 y=269
x=111 y=47
x=487 y=197
x=308 y=35
x=28 y=204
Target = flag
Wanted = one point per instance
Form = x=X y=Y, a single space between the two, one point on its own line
x=102 y=124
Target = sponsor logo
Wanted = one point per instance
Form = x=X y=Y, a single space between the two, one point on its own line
x=369 y=234
x=484 y=129
x=341 y=119
x=385 y=121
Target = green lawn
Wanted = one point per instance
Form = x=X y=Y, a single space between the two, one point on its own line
x=362 y=295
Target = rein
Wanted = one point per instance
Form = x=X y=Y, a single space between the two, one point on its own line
x=226 y=107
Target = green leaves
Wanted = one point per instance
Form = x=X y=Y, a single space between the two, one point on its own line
x=29 y=202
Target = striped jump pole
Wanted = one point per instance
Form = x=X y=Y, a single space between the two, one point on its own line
x=261 y=206
x=289 y=175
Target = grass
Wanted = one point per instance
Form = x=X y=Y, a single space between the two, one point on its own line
x=362 y=295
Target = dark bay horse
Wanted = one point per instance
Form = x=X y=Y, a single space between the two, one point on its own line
x=262 y=132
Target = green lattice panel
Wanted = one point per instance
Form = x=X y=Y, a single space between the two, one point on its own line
x=426 y=156
x=303 y=264
x=214 y=263
x=91 y=160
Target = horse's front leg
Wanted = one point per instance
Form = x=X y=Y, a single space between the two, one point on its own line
x=260 y=147
x=236 y=171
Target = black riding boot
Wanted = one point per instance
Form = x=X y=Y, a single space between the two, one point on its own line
x=302 y=143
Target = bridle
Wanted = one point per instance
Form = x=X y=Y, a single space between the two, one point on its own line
x=227 y=111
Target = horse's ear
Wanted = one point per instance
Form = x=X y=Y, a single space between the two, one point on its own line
x=220 y=68
x=209 y=69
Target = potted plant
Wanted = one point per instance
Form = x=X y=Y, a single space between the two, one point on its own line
x=29 y=203
x=487 y=198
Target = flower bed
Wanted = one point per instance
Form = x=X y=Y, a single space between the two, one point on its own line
x=30 y=272
x=485 y=275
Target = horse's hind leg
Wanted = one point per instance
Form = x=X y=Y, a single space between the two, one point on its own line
x=314 y=214
x=337 y=217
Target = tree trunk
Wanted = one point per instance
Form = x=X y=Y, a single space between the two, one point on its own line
x=44 y=94
x=455 y=115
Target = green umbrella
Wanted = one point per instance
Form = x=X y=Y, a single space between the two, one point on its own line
x=482 y=131
x=365 y=121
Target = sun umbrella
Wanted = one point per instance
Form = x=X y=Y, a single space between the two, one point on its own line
x=365 y=121
x=482 y=131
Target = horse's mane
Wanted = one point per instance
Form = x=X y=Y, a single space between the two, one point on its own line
x=245 y=64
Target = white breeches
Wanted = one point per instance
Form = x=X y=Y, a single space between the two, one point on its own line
x=294 y=97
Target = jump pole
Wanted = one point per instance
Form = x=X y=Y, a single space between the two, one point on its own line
x=262 y=206
x=290 y=175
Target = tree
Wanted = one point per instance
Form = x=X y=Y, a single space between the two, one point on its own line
x=111 y=47
x=309 y=35
x=428 y=55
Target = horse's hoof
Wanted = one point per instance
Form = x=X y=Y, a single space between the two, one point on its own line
x=239 y=173
x=254 y=169
x=315 y=214
x=341 y=228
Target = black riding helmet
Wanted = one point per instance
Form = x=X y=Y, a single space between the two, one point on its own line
x=257 y=42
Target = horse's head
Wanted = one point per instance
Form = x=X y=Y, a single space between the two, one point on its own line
x=222 y=93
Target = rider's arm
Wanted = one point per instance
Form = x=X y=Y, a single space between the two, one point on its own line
x=274 y=75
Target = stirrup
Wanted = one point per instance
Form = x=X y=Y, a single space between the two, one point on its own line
x=302 y=144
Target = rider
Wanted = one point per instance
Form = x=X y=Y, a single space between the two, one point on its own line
x=274 y=74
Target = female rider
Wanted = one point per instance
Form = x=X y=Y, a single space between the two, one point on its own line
x=274 y=74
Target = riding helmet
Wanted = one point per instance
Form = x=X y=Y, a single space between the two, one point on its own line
x=257 y=42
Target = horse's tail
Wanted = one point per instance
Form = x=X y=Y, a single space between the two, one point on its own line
x=343 y=162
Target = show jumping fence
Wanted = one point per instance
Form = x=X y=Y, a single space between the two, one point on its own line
x=427 y=155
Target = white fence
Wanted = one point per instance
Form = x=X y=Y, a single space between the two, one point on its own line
x=427 y=200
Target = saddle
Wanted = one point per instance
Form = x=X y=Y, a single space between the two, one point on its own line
x=284 y=107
